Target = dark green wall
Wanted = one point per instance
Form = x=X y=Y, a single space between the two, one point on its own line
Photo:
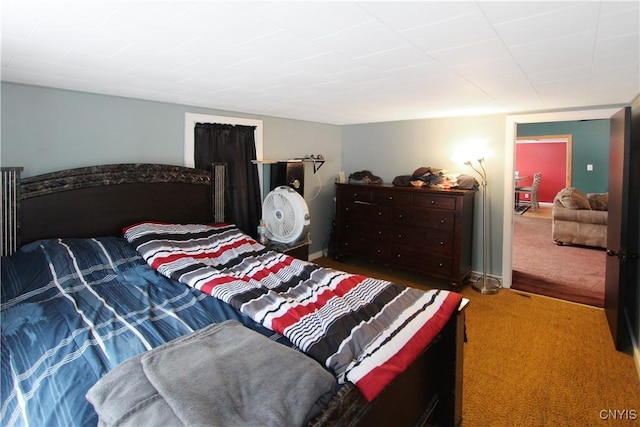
x=590 y=146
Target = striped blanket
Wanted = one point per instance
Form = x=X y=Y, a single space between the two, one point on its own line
x=365 y=330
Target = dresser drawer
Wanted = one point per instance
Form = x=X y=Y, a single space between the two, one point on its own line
x=431 y=219
x=428 y=241
x=378 y=251
x=375 y=230
x=355 y=194
x=358 y=212
x=434 y=201
x=356 y=245
x=389 y=197
x=417 y=260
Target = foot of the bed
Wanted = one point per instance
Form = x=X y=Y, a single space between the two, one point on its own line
x=428 y=393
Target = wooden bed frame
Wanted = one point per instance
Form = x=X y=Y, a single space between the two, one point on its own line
x=101 y=200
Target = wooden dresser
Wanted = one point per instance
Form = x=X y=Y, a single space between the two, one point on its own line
x=425 y=230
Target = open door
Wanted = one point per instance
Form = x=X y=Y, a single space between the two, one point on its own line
x=622 y=230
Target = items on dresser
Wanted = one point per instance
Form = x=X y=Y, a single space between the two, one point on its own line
x=421 y=229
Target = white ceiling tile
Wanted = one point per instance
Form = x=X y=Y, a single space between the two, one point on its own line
x=565 y=92
x=17 y=21
x=327 y=63
x=455 y=32
x=424 y=71
x=395 y=58
x=334 y=62
x=620 y=23
x=503 y=81
x=292 y=46
x=406 y=15
x=617 y=51
x=500 y=12
x=22 y=47
x=482 y=51
x=620 y=6
x=315 y=19
x=559 y=23
x=560 y=74
x=559 y=53
x=364 y=39
x=612 y=84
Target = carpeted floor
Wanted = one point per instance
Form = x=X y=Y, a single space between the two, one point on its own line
x=531 y=360
x=567 y=272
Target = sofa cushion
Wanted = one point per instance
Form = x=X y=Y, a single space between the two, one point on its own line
x=599 y=201
x=587 y=216
x=572 y=198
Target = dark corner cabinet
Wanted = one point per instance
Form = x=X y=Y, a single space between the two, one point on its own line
x=425 y=230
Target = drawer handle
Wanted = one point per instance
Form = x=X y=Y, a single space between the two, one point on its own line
x=346 y=226
x=442 y=221
x=433 y=202
x=441 y=243
x=379 y=251
x=346 y=209
x=399 y=215
x=399 y=236
x=440 y=264
x=379 y=213
x=390 y=197
x=379 y=232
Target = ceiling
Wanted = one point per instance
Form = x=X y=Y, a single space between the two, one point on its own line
x=338 y=62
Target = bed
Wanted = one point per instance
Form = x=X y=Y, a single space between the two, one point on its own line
x=77 y=290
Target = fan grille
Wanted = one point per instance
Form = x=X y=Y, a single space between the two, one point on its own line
x=285 y=214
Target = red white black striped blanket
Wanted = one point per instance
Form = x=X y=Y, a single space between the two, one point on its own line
x=365 y=330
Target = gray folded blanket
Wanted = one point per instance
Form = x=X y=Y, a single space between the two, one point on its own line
x=222 y=375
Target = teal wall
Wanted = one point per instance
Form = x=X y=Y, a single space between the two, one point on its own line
x=390 y=149
x=590 y=146
x=45 y=130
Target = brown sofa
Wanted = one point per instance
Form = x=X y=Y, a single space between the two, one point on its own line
x=579 y=218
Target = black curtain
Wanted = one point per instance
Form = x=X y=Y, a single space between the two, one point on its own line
x=236 y=147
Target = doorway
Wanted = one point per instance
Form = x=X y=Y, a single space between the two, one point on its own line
x=509 y=168
x=540 y=267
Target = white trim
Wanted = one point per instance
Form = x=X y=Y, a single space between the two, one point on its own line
x=509 y=153
x=543 y=141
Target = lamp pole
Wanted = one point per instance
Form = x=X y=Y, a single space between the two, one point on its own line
x=484 y=284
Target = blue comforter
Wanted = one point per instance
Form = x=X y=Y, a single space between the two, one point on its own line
x=72 y=310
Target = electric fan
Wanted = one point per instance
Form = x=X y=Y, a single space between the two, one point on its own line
x=286 y=215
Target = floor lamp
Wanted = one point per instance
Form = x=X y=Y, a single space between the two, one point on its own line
x=484 y=284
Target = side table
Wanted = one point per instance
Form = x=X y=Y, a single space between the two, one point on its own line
x=298 y=250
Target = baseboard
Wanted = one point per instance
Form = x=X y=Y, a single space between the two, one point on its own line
x=316 y=255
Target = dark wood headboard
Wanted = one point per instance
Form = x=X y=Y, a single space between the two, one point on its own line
x=101 y=200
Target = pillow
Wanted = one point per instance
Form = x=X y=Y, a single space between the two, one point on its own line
x=599 y=201
x=572 y=198
x=162 y=244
